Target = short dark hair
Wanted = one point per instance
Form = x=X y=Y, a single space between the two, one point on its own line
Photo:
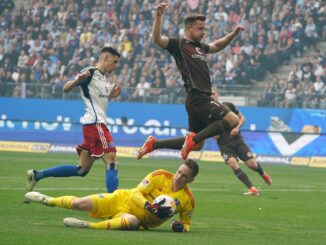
x=191 y=18
x=110 y=50
x=193 y=166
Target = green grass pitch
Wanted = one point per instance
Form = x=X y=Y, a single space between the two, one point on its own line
x=292 y=211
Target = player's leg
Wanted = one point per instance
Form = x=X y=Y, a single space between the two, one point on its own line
x=103 y=147
x=69 y=202
x=66 y=170
x=63 y=170
x=152 y=144
x=215 y=117
x=111 y=171
x=229 y=121
x=230 y=155
x=124 y=222
x=247 y=157
x=242 y=176
x=255 y=166
x=113 y=205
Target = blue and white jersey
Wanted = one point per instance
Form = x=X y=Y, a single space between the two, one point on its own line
x=95 y=91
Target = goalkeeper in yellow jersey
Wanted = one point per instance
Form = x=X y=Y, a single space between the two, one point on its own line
x=133 y=209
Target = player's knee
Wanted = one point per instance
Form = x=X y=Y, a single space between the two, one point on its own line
x=82 y=204
x=251 y=163
x=109 y=157
x=81 y=172
x=233 y=163
x=133 y=221
x=77 y=204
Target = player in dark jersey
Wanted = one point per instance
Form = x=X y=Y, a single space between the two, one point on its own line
x=206 y=118
x=233 y=147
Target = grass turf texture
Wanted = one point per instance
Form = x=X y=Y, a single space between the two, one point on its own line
x=292 y=211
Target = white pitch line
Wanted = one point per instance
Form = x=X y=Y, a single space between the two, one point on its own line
x=193 y=189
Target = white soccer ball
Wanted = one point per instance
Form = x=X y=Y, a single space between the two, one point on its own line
x=169 y=202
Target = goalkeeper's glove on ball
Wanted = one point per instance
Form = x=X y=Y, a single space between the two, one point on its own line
x=155 y=208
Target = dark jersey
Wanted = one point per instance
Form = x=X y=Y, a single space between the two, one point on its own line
x=224 y=138
x=191 y=61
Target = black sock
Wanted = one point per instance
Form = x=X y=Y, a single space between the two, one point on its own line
x=259 y=169
x=243 y=177
x=175 y=143
x=215 y=128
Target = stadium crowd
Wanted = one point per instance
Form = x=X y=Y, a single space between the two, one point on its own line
x=46 y=42
x=305 y=86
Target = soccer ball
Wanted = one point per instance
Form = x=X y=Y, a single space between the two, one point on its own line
x=169 y=202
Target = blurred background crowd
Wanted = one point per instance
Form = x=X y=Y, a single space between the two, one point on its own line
x=44 y=43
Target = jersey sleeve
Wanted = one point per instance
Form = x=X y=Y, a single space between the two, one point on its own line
x=205 y=47
x=89 y=79
x=187 y=209
x=147 y=184
x=173 y=45
x=143 y=188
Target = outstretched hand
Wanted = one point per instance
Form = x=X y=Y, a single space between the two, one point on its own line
x=116 y=91
x=160 y=8
x=238 y=29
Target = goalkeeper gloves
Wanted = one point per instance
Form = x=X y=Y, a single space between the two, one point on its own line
x=177 y=226
x=155 y=208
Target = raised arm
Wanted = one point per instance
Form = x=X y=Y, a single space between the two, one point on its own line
x=69 y=85
x=160 y=40
x=221 y=43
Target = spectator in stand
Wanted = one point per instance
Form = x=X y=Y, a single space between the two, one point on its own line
x=271 y=56
x=307 y=70
x=289 y=96
x=268 y=96
x=295 y=72
x=318 y=84
x=311 y=32
x=310 y=99
x=285 y=48
x=141 y=91
x=299 y=95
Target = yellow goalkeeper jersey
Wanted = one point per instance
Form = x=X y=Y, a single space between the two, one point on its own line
x=158 y=183
x=132 y=201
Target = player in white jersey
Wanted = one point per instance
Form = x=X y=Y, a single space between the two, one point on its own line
x=98 y=143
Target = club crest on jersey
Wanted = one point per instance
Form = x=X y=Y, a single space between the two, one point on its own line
x=198 y=50
x=100 y=195
x=225 y=156
x=144 y=183
x=249 y=154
